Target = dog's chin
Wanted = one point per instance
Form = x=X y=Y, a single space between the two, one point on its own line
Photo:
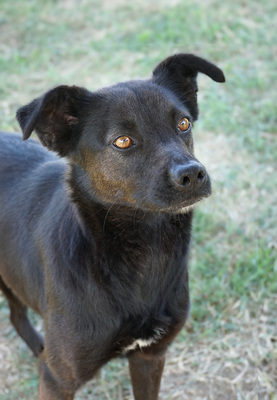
x=183 y=209
x=180 y=209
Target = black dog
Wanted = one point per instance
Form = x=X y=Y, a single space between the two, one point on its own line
x=97 y=243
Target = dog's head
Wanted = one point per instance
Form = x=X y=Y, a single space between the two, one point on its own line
x=131 y=143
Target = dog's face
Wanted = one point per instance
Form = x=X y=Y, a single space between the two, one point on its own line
x=140 y=151
x=133 y=141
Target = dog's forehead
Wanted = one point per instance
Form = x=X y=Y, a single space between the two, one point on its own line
x=140 y=97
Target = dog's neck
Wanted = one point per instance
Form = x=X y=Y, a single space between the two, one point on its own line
x=141 y=251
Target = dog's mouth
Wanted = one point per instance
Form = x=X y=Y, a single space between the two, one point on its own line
x=183 y=208
x=173 y=207
x=175 y=198
x=180 y=202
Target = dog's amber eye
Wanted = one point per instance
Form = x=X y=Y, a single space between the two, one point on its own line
x=123 y=142
x=184 y=125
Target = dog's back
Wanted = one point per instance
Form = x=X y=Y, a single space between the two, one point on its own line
x=30 y=179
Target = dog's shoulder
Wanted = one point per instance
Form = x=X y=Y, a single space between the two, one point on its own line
x=15 y=151
x=29 y=168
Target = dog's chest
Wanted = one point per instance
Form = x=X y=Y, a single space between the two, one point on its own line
x=154 y=325
x=140 y=292
x=158 y=334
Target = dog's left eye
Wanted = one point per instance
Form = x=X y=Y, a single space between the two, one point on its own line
x=184 y=125
x=123 y=142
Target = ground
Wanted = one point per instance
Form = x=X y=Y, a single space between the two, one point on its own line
x=228 y=349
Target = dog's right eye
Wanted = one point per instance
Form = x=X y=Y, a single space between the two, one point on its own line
x=123 y=142
x=184 y=125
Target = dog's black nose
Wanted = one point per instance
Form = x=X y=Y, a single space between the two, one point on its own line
x=191 y=175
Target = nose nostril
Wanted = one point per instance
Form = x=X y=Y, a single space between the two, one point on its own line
x=186 y=181
x=201 y=176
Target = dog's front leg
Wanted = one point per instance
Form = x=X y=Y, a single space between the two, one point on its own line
x=49 y=387
x=146 y=373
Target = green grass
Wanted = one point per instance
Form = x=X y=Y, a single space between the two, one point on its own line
x=217 y=280
x=233 y=269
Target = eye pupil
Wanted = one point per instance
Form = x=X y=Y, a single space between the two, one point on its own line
x=184 y=124
x=123 y=142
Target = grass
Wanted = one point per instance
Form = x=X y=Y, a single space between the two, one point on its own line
x=228 y=349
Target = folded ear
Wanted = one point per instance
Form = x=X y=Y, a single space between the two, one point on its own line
x=178 y=73
x=54 y=117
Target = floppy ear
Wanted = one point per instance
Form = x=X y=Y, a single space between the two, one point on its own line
x=54 y=117
x=178 y=73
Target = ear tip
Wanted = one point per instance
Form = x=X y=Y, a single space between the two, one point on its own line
x=220 y=76
x=25 y=135
x=26 y=125
x=190 y=64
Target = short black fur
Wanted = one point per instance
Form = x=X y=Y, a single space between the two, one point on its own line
x=97 y=242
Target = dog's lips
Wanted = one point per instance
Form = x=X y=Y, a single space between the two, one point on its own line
x=188 y=204
x=176 y=199
x=176 y=203
x=180 y=208
x=185 y=207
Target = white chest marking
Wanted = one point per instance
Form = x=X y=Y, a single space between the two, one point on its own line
x=159 y=332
